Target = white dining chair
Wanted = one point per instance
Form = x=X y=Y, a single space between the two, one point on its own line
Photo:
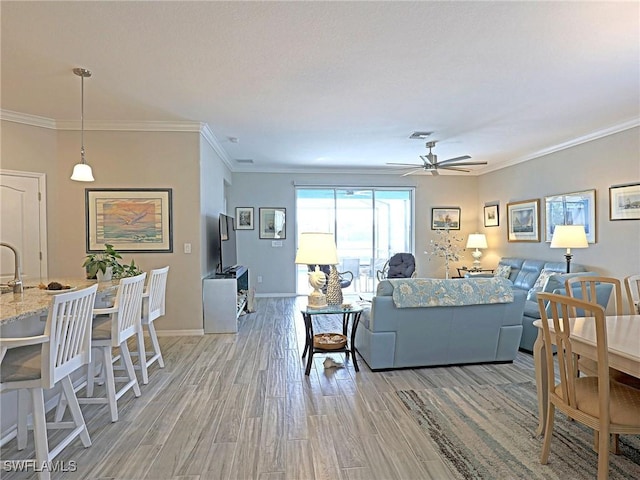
x=112 y=328
x=632 y=286
x=153 y=307
x=41 y=362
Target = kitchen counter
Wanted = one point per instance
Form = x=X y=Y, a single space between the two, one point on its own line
x=34 y=302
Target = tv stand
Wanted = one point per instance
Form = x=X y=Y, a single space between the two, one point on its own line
x=224 y=297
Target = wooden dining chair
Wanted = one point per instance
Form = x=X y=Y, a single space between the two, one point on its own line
x=606 y=406
x=588 y=287
x=111 y=329
x=632 y=285
x=153 y=306
x=41 y=362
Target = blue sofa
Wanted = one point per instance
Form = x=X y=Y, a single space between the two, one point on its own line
x=523 y=275
x=389 y=337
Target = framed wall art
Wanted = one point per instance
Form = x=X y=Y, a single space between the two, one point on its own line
x=132 y=220
x=491 y=216
x=624 y=202
x=523 y=221
x=445 y=218
x=273 y=223
x=577 y=208
x=244 y=218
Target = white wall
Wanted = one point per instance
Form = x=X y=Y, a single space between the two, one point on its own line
x=119 y=160
x=276 y=264
x=598 y=164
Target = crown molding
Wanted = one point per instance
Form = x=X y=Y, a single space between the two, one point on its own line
x=206 y=132
x=211 y=139
x=26 y=119
x=605 y=132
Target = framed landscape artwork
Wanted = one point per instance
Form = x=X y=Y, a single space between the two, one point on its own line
x=577 y=208
x=523 y=221
x=132 y=220
x=273 y=223
x=445 y=218
x=244 y=218
x=491 y=216
x=624 y=202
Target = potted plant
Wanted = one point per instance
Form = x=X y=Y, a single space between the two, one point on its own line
x=130 y=270
x=102 y=264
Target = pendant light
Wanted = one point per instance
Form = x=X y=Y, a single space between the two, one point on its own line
x=82 y=172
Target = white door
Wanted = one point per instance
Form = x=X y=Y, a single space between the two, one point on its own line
x=23 y=224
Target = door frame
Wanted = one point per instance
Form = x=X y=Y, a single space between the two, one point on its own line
x=42 y=213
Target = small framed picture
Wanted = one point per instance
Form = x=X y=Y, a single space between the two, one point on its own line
x=244 y=218
x=445 y=218
x=577 y=208
x=491 y=216
x=273 y=223
x=523 y=221
x=624 y=202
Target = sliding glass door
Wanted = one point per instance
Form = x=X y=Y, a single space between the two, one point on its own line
x=370 y=225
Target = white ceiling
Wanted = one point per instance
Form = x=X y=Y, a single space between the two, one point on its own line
x=339 y=85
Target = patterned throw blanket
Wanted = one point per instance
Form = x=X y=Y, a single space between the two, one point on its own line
x=430 y=292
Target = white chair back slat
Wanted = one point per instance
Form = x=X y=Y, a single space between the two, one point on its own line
x=156 y=288
x=69 y=331
x=129 y=304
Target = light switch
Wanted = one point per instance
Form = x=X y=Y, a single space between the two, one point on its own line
x=187 y=248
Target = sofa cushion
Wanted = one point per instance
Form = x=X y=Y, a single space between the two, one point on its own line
x=502 y=271
x=540 y=284
x=557 y=281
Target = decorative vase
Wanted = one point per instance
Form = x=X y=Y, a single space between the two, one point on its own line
x=106 y=276
x=334 y=291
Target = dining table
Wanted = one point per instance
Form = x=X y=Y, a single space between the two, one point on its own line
x=623 y=346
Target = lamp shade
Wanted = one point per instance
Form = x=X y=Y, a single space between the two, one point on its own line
x=477 y=240
x=82 y=173
x=569 y=236
x=317 y=248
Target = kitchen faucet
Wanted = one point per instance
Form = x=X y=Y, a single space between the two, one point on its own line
x=16 y=283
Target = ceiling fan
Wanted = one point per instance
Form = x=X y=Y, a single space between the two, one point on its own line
x=431 y=164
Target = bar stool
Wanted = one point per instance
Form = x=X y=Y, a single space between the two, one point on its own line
x=111 y=329
x=153 y=306
x=41 y=362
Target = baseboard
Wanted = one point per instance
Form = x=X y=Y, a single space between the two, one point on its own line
x=275 y=295
x=180 y=333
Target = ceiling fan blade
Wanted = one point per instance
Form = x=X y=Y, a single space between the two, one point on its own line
x=411 y=172
x=455 y=159
x=462 y=164
x=405 y=164
x=457 y=169
x=434 y=172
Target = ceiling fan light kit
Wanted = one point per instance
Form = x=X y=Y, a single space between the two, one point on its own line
x=430 y=163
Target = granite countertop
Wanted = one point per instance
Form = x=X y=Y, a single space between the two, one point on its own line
x=35 y=302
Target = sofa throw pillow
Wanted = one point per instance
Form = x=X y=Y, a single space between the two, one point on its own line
x=502 y=271
x=541 y=282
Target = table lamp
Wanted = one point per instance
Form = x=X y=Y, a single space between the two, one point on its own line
x=569 y=236
x=477 y=241
x=315 y=248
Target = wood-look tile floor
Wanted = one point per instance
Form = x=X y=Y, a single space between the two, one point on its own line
x=240 y=407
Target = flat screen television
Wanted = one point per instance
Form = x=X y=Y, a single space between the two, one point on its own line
x=228 y=252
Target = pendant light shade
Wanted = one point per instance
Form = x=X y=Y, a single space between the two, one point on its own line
x=82 y=172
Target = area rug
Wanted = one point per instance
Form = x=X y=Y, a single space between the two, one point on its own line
x=488 y=432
